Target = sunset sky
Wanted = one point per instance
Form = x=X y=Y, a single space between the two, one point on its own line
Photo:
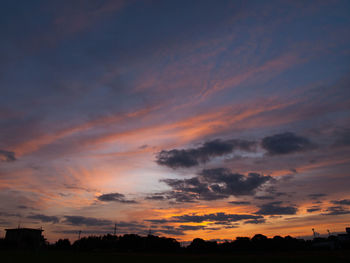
x=210 y=119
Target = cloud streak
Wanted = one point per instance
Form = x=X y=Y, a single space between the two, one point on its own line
x=216 y=217
x=87 y=221
x=44 y=218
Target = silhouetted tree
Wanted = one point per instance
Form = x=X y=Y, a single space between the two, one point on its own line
x=63 y=244
x=200 y=245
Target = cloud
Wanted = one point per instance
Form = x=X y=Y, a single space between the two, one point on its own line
x=9 y=214
x=190 y=227
x=265 y=197
x=22 y=207
x=214 y=184
x=336 y=210
x=316 y=196
x=88 y=232
x=87 y=221
x=313 y=209
x=256 y=221
x=224 y=181
x=285 y=143
x=156 y=197
x=274 y=208
x=171 y=231
x=7 y=156
x=194 y=156
x=341 y=202
x=44 y=218
x=132 y=224
x=342 y=138
x=239 y=202
x=157 y=221
x=115 y=197
x=217 y=217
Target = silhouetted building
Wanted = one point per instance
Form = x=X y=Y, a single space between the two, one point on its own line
x=25 y=237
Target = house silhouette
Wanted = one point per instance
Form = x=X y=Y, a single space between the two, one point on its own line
x=25 y=237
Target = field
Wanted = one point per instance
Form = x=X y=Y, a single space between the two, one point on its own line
x=86 y=257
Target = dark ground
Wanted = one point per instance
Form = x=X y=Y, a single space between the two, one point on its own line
x=86 y=257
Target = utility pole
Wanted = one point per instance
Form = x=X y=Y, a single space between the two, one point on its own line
x=115 y=230
x=79 y=234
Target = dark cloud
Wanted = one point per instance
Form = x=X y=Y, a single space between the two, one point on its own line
x=182 y=197
x=222 y=180
x=132 y=224
x=255 y=221
x=156 y=197
x=231 y=226
x=265 y=197
x=87 y=221
x=7 y=156
x=157 y=221
x=214 y=184
x=217 y=217
x=239 y=202
x=194 y=156
x=191 y=227
x=171 y=231
x=213 y=229
x=313 y=209
x=336 y=210
x=9 y=214
x=189 y=190
x=341 y=202
x=44 y=218
x=285 y=143
x=27 y=207
x=316 y=196
x=275 y=208
x=342 y=138
x=88 y=232
x=4 y=222
x=115 y=197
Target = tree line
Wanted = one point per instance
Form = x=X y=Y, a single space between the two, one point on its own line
x=152 y=243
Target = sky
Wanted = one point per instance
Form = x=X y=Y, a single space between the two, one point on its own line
x=210 y=119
